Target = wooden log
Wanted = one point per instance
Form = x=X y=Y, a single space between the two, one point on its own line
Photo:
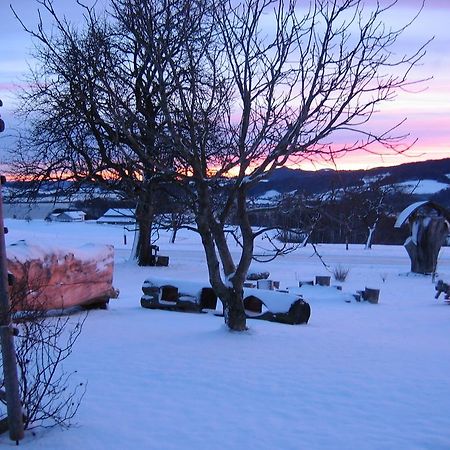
x=184 y=303
x=188 y=303
x=149 y=301
x=47 y=278
x=298 y=313
x=252 y=303
x=208 y=298
x=371 y=295
x=150 y=290
x=162 y=261
x=169 y=293
x=323 y=280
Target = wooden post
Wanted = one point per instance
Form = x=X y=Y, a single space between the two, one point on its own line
x=371 y=295
x=14 y=407
x=323 y=280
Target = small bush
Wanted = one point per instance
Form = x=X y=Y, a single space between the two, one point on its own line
x=340 y=273
x=49 y=394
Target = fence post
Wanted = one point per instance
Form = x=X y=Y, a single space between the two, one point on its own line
x=14 y=407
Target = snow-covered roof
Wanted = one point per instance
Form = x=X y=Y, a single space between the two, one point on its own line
x=118 y=215
x=117 y=212
x=26 y=250
x=68 y=216
x=75 y=214
x=411 y=209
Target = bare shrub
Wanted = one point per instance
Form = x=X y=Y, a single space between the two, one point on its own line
x=340 y=273
x=49 y=394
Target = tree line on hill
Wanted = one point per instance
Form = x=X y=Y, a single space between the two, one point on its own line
x=354 y=218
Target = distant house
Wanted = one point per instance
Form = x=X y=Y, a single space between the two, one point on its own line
x=52 y=216
x=68 y=216
x=118 y=216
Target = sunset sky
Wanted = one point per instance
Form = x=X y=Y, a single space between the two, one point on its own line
x=427 y=109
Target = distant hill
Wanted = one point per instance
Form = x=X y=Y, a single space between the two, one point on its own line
x=426 y=179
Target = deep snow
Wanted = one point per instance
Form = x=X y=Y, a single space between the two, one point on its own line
x=358 y=376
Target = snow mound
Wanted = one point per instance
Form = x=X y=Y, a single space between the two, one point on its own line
x=312 y=294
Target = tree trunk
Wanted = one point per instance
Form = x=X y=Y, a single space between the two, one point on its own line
x=143 y=253
x=234 y=312
x=144 y=221
x=218 y=256
x=423 y=247
x=305 y=240
x=175 y=228
x=370 y=237
x=234 y=309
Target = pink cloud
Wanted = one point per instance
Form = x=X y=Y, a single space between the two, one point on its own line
x=366 y=160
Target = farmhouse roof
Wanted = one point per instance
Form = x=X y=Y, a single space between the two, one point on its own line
x=118 y=215
x=75 y=214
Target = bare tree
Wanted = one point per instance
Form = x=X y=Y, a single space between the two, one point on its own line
x=93 y=111
x=300 y=214
x=376 y=205
x=234 y=99
x=250 y=100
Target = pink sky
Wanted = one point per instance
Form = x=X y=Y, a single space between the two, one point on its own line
x=427 y=111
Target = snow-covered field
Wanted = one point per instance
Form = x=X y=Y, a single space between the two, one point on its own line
x=358 y=376
x=420 y=187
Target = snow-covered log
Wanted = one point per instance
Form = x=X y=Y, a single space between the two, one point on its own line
x=55 y=278
x=195 y=296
